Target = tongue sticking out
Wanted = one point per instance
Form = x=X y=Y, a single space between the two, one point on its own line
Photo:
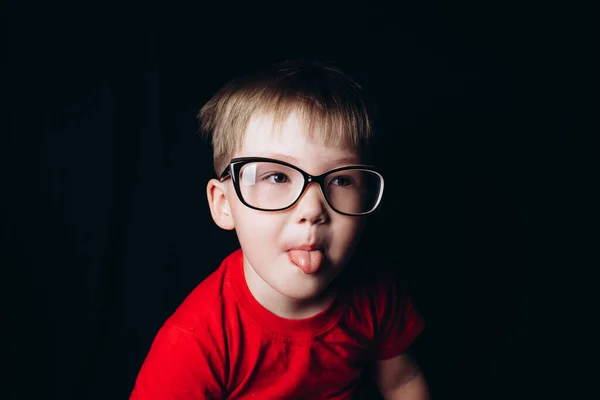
x=308 y=261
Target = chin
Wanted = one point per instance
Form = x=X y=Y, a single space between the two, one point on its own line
x=303 y=292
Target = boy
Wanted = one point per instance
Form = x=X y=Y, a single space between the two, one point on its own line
x=288 y=316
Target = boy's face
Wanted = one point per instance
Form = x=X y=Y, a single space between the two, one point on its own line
x=297 y=252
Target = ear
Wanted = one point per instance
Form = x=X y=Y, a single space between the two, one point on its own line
x=219 y=206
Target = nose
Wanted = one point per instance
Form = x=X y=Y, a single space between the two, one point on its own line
x=311 y=208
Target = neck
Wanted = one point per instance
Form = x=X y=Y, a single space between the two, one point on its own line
x=283 y=306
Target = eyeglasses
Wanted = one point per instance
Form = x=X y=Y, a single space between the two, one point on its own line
x=271 y=185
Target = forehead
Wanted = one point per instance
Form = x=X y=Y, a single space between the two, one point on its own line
x=292 y=141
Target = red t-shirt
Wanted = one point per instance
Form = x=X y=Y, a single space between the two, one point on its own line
x=221 y=343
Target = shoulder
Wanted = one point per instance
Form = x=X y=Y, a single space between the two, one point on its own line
x=377 y=286
x=205 y=304
x=189 y=352
x=381 y=297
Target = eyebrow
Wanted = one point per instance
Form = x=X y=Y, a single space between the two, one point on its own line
x=293 y=160
x=280 y=156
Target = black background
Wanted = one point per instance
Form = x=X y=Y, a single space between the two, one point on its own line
x=105 y=218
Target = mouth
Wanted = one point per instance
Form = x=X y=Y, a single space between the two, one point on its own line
x=308 y=247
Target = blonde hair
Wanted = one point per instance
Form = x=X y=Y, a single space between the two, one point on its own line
x=320 y=94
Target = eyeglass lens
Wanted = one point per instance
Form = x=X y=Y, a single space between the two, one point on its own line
x=272 y=186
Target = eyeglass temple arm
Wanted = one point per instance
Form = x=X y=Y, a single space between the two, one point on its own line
x=226 y=173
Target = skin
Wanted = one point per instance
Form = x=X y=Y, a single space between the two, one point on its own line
x=265 y=237
x=400 y=378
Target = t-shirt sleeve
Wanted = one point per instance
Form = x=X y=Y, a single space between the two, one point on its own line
x=181 y=364
x=399 y=322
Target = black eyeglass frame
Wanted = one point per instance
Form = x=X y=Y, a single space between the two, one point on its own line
x=236 y=164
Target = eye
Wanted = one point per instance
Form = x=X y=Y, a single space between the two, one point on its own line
x=276 y=177
x=342 y=181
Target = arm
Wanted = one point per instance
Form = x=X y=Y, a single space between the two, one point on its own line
x=399 y=325
x=400 y=378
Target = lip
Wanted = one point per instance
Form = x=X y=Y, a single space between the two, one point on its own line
x=307 y=247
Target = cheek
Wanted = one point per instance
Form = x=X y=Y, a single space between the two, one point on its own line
x=254 y=227
x=347 y=233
